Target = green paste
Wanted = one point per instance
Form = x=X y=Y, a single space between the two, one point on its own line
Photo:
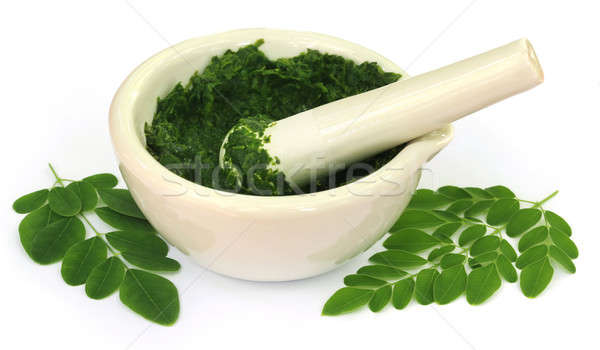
x=191 y=122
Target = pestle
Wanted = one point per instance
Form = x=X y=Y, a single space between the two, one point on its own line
x=315 y=142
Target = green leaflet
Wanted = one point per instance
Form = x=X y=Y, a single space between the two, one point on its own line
x=506 y=269
x=446 y=215
x=123 y=222
x=535 y=277
x=482 y=283
x=484 y=258
x=479 y=193
x=33 y=223
x=345 y=300
x=105 y=278
x=470 y=234
x=438 y=252
x=103 y=180
x=63 y=201
x=565 y=243
x=81 y=258
x=153 y=262
x=363 y=281
x=522 y=221
x=500 y=192
x=410 y=240
x=30 y=202
x=381 y=298
x=484 y=244
x=402 y=293
x=136 y=241
x=86 y=194
x=479 y=208
x=447 y=230
x=557 y=222
x=397 y=258
x=531 y=255
x=428 y=199
x=152 y=296
x=562 y=258
x=460 y=206
x=450 y=260
x=424 y=286
x=533 y=237
x=501 y=211
x=416 y=219
x=120 y=200
x=508 y=251
x=454 y=192
x=450 y=284
x=51 y=243
x=381 y=272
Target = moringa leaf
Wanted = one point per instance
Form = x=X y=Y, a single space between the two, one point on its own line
x=397 y=258
x=479 y=208
x=51 y=243
x=413 y=218
x=103 y=180
x=345 y=300
x=478 y=192
x=381 y=298
x=454 y=192
x=410 y=240
x=450 y=284
x=447 y=230
x=151 y=296
x=403 y=293
x=424 y=286
x=535 y=277
x=531 y=255
x=81 y=258
x=33 y=222
x=484 y=258
x=105 y=278
x=123 y=222
x=136 y=241
x=506 y=269
x=508 y=251
x=363 y=281
x=428 y=199
x=565 y=243
x=438 y=252
x=460 y=206
x=501 y=211
x=64 y=202
x=446 y=216
x=450 y=260
x=482 y=283
x=562 y=258
x=86 y=194
x=500 y=192
x=533 y=237
x=153 y=262
x=470 y=234
x=381 y=272
x=522 y=221
x=30 y=202
x=557 y=222
x=120 y=200
x=484 y=244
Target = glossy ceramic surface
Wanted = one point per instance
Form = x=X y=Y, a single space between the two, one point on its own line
x=249 y=237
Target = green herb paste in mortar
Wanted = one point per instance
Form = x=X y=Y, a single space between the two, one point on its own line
x=191 y=122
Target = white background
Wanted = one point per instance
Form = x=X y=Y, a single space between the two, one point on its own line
x=62 y=61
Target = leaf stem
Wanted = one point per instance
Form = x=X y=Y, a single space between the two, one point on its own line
x=58 y=179
x=539 y=204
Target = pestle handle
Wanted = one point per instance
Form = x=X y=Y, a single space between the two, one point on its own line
x=313 y=142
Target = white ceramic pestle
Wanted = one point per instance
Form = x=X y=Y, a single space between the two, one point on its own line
x=335 y=135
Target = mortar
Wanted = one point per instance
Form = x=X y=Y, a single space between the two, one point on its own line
x=253 y=237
